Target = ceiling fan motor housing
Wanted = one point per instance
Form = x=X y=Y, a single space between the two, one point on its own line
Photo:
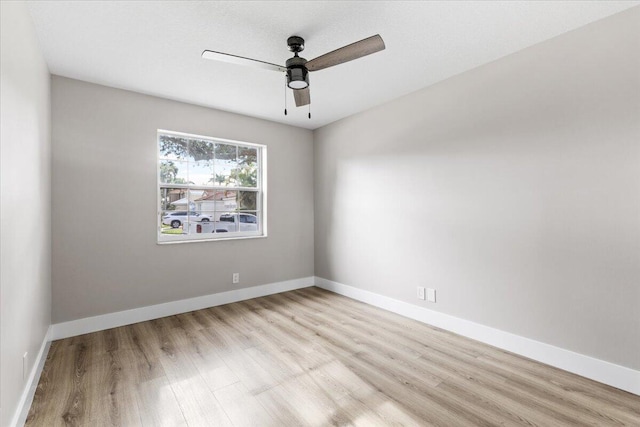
x=297 y=73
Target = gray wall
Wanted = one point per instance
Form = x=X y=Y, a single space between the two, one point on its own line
x=105 y=256
x=25 y=200
x=513 y=189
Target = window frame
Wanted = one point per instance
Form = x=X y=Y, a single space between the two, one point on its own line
x=260 y=189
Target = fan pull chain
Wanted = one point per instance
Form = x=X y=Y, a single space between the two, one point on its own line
x=285 y=95
x=309 y=111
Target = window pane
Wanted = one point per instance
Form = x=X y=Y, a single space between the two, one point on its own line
x=200 y=162
x=201 y=173
x=186 y=201
x=174 y=214
x=228 y=223
x=215 y=200
x=229 y=201
x=173 y=172
x=247 y=173
x=247 y=200
x=200 y=150
x=200 y=222
x=167 y=228
x=201 y=216
x=195 y=196
x=248 y=221
x=168 y=196
x=173 y=147
x=225 y=165
x=203 y=200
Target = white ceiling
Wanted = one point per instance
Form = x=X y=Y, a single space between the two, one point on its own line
x=154 y=47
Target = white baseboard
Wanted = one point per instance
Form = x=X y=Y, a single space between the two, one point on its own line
x=598 y=370
x=127 y=317
x=22 y=410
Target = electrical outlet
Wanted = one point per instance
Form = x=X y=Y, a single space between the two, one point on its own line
x=24 y=365
x=236 y=277
x=431 y=295
x=420 y=292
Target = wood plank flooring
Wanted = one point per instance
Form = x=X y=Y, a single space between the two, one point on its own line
x=308 y=358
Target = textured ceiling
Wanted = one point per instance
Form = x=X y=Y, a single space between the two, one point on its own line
x=154 y=47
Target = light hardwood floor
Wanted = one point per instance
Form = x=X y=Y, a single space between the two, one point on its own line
x=307 y=358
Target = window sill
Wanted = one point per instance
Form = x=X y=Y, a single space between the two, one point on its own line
x=218 y=239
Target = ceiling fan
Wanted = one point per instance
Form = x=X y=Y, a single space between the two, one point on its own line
x=298 y=68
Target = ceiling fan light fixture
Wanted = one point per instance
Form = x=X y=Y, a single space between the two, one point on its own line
x=297 y=77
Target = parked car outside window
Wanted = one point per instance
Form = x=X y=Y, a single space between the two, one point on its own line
x=245 y=221
x=245 y=218
x=176 y=219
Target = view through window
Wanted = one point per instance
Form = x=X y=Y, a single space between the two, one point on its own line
x=209 y=188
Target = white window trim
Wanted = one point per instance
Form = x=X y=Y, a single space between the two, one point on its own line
x=163 y=239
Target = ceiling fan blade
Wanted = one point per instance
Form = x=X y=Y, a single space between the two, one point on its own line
x=241 y=60
x=302 y=97
x=347 y=53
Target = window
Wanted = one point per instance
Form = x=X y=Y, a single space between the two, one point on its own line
x=209 y=188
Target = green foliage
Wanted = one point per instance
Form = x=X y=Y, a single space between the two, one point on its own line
x=247 y=200
x=165 y=198
x=201 y=150
x=243 y=176
x=247 y=175
x=219 y=179
x=183 y=148
x=243 y=160
x=169 y=172
x=167 y=229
